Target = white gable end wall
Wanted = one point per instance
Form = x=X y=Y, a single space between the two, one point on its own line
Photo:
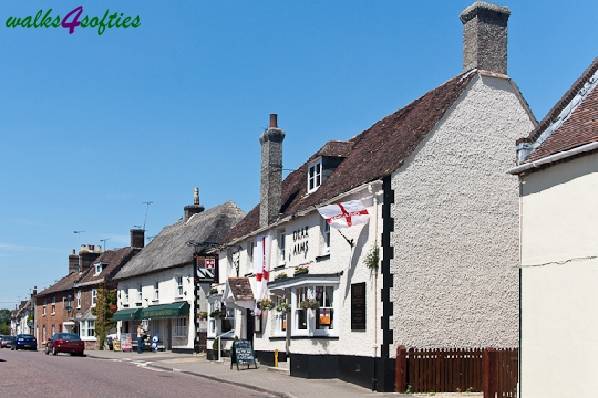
x=455 y=233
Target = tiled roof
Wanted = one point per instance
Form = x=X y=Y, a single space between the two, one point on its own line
x=170 y=247
x=66 y=283
x=574 y=128
x=113 y=260
x=375 y=153
x=241 y=288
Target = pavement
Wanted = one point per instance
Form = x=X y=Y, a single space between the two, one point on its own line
x=267 y=380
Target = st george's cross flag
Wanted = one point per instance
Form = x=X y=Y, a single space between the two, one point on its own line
x=262 y=267
x=345 y=214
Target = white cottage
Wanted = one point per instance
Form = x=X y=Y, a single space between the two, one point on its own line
x=443 y=217
x=558 y=186
x=165 y=286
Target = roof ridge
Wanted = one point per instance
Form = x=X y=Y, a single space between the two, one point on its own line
x=561 y=104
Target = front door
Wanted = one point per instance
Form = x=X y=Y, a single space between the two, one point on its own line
x=250 y=322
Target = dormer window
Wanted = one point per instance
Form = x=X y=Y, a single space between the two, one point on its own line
x=99 y=268
x=314 y=176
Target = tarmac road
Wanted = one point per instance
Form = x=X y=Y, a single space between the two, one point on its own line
x=33 y=374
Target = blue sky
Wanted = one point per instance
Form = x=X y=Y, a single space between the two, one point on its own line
x=91 y=126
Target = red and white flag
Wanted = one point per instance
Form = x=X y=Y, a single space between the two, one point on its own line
x=345 y=214
x=262 y=266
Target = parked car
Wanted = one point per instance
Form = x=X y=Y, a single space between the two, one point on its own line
x=24 y=341
x=67 y=343
x=5 y=341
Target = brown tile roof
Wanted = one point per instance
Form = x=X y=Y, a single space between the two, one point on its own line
x=113 y=261
x=373 y=154
x=240 y=288
x=66 y=283
x=579 y=128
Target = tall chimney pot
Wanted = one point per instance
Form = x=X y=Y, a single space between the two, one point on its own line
x=271 y=172
x=273 y=121
x=196 y=208
x=485 y=37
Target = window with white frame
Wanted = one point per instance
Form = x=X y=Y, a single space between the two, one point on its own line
x=180 y=327
x=53 y=306
x=280 y=319
x=94 y=297
x=314 y=176
x=99 y=268
x=325 y=237
x=125 y=297
x=228 y=322
x=301 y=295
x=179 y=286
x=88 y=328
x=282 y=243
x=156 y=291
x=44 y=308
x=139 y=294
x=78 y=297
x=250 y=256
x=324 y=296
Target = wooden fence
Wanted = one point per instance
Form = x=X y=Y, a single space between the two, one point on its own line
x=493 y=371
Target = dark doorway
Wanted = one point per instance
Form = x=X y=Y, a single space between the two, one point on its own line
x=250 y=325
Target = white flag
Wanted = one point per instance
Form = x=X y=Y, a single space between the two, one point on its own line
x=262 y=266
x=345 y=214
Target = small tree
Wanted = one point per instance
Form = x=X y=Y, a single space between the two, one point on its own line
x=105 y=302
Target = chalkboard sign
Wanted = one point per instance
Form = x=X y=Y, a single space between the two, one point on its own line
x=358 y=316
x=243 y=354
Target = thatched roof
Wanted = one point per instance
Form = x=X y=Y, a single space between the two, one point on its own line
x=170 y=249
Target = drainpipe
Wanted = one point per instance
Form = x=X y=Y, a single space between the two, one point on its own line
x=375 y=189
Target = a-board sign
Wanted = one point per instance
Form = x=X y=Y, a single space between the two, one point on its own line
x=243 y=354
x=126 y=342
x=116 y=345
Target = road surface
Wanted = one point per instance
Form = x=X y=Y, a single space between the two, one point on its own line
x=33 y=374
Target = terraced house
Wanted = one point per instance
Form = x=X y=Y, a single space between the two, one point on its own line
x=435 y=265
x=165 y=286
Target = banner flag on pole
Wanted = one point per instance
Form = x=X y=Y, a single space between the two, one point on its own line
x=345 y=214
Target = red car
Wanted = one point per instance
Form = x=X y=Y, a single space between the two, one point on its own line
x=67 y=343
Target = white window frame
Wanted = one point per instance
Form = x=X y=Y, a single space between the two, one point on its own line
x=94 y=297
x=98 y=268
x=250 y=256
x=78 y=297
x=139 y=294
x=314 y=176
x=53 y=307
x=156 y=292
x=179 y=287
x=311 y=314
x=282 y=247
x=324 y=237
x=277 y=319
x=125 y=300
x=85 y=328
x=180 y=327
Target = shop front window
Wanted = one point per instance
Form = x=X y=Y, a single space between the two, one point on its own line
x=180 y=327
x=301 y=313
x=324 y=296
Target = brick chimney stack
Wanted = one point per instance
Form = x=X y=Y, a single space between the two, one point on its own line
x=271 y=171
x=196 y=208
x=73 y=262
x=485 y=37
x=87 y=255
x=137 y=238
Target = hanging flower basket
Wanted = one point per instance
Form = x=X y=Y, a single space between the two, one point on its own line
x=213 y=291
x=113 y=308
x=283 y=306
x=216 y=314
x=265 y=304
x=203 y=315
x=301 y=271
x=310 y=303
